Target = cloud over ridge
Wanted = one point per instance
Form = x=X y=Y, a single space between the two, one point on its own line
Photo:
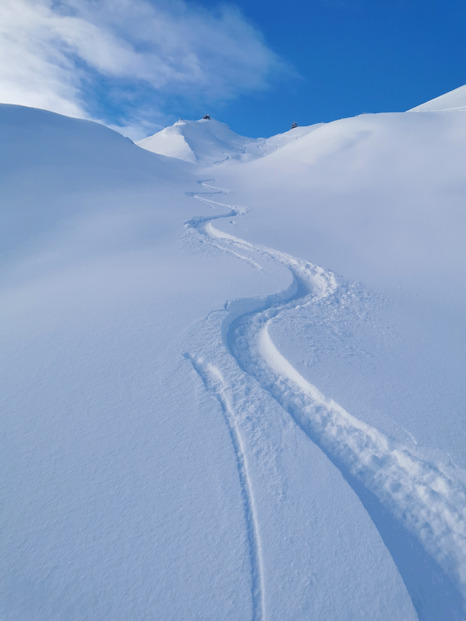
x=124 y=61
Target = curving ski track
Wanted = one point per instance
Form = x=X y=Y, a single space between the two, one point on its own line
x=418 y=506
x=215 y=383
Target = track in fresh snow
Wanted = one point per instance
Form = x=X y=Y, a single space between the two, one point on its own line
x=418 y=507
x=215 y=383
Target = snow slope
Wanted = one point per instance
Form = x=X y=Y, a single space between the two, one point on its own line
x=380 y=199
x=454 y=100
x=208 y=141
x=233 y=391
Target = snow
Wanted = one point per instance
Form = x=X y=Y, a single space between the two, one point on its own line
x=233 y=371
x=454 y=100
x=208 y=141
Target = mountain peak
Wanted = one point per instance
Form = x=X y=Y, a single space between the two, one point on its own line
x=206 y=117
x=208 y=141
x=205 y=141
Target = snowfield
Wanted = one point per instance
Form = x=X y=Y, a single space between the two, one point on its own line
x=233 y=370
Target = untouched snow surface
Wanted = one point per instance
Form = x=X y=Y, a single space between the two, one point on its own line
x=237 y=390
x=454 y=100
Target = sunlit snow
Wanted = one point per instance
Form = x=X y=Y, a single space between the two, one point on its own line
x=233 y=370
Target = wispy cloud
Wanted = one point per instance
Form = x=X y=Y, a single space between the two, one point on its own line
x=125 y=61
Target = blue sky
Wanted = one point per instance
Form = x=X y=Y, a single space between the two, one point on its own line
x=354 y=56
x=138 y=65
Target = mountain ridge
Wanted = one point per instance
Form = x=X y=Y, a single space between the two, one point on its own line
x=208 y=141
x=452 y=100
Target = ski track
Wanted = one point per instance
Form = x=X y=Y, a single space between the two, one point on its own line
x=215 y=383
x=422 y=498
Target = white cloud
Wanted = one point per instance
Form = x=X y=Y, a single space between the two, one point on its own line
x=124 y=60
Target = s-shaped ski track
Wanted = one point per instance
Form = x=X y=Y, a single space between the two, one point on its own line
x=409 y=499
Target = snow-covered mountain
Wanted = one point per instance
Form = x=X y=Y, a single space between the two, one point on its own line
x=233 y=378
x=454 y=100
x=208 y=141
